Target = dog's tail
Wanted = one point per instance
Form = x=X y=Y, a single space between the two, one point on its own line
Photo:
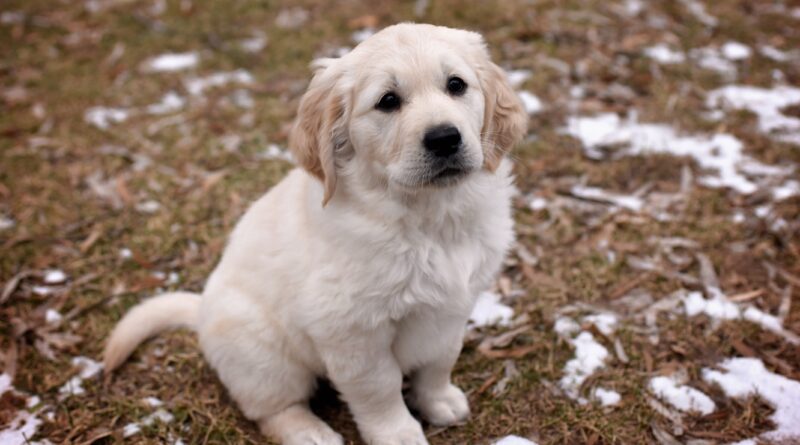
x=172 y=310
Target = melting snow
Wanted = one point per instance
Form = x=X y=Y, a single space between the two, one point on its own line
x=52 y=316
x=274 y=151
x=607 y=397
x=197 y=85
x=88 y=368
x=514 y=440
x=764 y=103
x=170 y=103
x=566 y=326
x=103 y=117
x=254 y=44
x=717 y=307
x=517 y=77
x=721 y=152
x=625 y=201
x=530 y=102
x=489 y=311
x=682 y=397
x=712 y=59
x=745 y=377
x=160 y=415
x=172 y=62
x=20 y=429
x=149 y=206
x=589 y=357
x=736 y=51
x=698 y=10
x=774 y=53
x=605 y=322
x=6 y=222
x=55 y=276
x=662 y=53
x=362 y=34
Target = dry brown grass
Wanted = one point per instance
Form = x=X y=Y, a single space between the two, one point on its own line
x=60 y=59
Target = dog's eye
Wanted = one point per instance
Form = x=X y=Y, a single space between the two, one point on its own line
x=389 y=102
x=456 y=85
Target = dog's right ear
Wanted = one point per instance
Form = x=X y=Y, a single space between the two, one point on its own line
x=320 y=127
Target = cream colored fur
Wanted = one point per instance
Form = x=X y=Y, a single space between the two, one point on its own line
x=379 y=281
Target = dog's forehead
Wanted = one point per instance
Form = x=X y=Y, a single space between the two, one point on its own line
x=415 y=52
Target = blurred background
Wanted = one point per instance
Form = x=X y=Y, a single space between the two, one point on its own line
x=652 y=294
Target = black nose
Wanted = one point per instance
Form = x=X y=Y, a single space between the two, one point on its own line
x=443 y=140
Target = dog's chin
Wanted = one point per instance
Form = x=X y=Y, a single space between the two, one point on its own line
x=439 y=178
x=447 y=177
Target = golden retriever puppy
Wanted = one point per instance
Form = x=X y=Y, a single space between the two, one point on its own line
x=363 y=265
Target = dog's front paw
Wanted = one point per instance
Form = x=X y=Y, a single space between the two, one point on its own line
x=444 y=407
x=407 y=433
x=319 y=435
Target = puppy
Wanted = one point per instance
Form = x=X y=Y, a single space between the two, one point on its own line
x=364 y=264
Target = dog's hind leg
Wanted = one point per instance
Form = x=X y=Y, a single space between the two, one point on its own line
x=270 y=386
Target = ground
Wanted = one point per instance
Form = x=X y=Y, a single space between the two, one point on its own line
x=658 y=217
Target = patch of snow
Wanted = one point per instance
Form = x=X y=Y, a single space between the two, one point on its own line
x=605 y=322
x=607 y=397
x=514 y=440
x=590 y=356
x=196 y=86
x=160 y=415
x=775 y=54
x=721 y=152
x=713 y=60
x=242 y=99
x=517 y=77
x=88 y=368
x=716 y=307
x=103 y=117
x=537 y=203
x=170 y=103
x=625 y=201
x=747 y=377
x=663 y=54
x=698 y=10
x=12 y=17
x=736 y=51
x=52 y=316
x=566 y=326
x=55 y=276
x=489 y=311
x=42 y=291
x=254 y=44
x=6 y=222
x=633 y=7
x=362 y=34
x=171 y=62
x=153 y=401
x=765 y=103
x=770 y=323
x=276 y=152
x=131 y=429
x=20 y=429
x=5 y=383
x=530 y=102
x=786 y=190
x=291 y=18
x=682 y=397
x=149 y=206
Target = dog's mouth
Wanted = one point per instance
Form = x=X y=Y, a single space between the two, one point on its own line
x=448 y=175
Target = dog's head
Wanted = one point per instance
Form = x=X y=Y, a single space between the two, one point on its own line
x=413 y=106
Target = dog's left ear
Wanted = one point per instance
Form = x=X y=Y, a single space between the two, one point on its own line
x=320 y=128
x=505 y=121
